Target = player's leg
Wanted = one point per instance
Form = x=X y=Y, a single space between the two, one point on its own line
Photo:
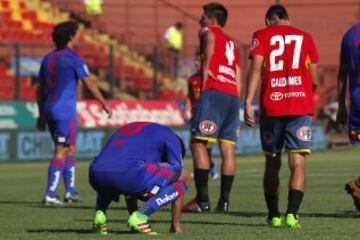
x=298 y=143
x=100 y=220
x=204 y=130
x=353 y=186
x=57 y=163
x=228 y=136
x=163 y=186
x=272 y=141
x=131 y=204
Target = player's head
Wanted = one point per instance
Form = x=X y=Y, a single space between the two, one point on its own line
x=214 y=14
x=197 y=59
x=276 y=14
x=178 y=25
x=63 y=33
x=183 y=149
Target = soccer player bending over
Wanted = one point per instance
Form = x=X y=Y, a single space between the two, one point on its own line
x=285 y=58
x=350 y=69
x=142 y=160
x=59 y=75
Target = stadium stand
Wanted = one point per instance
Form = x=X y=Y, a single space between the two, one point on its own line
x=31 y=22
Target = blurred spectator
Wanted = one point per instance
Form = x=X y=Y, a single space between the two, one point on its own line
x=174 y=40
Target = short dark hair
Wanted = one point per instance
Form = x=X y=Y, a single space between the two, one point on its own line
x=277 y=10
x=217 y=11
x=183 y=148
x=63 y=33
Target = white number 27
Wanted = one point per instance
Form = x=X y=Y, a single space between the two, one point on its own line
x=278 y=66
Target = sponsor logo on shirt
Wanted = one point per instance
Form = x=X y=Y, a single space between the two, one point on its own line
x=294 y=94
x=276 y=96
x=207 y=127
x=167 y=198
x=304 y=133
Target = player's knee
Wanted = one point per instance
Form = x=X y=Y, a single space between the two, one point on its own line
x=185 y=176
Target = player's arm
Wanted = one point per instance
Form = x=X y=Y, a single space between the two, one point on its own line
x=342 y=86
x=209 y=44
x=177 y=205
x=90 y=84
x=40 y=123
x=253 y=79
x=187 y=106
x=238 y=78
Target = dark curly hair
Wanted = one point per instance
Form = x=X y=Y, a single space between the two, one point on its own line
x=217 y=11
x=63 y=33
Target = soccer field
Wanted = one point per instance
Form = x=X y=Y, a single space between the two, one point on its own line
x=327 y=212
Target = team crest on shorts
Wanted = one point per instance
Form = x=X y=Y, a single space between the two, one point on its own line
x=207 y=127
x=304 y=133
x=268 y=138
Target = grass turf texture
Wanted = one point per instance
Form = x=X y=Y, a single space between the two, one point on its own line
x=327 y=211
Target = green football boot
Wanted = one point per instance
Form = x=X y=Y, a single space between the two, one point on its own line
x=99 y=223
x=274 y=222
x=292 y=221
x=139 y=223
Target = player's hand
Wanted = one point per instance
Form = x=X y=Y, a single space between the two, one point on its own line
x=342 y=115
x=108 y=110
x=41 y=123
x=175 y=229
x=249 y=115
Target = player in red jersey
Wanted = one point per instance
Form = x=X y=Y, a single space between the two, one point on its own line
x=194 y=92
x=217 y=113
x=285 y=58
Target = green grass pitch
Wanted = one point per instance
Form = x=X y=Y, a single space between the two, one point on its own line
x=327 y=211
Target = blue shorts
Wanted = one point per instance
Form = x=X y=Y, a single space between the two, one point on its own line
x=354 y=125
x=142 y=180
x=292 y=131
x=63 y=132
x=216 y=117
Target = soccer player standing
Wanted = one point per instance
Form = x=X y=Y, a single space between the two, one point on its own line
x=350 y=69
x=217 y=113
x=142 y=160
x=285 y=58
x=60 y=72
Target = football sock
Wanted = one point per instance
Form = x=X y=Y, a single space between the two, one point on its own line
x=102 y=203
x=69 y=174
x=165 y=196
x=226 y=185
x=294 y=200
x=201 y=178
x=131 y=204
x=272 y=205
x=357 y=181
x=55 y=171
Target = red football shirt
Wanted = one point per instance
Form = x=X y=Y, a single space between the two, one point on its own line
x=286 y=87
x=223 y=63
x=194 y=91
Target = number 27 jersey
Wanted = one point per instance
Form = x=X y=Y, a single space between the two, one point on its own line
x=286 y=88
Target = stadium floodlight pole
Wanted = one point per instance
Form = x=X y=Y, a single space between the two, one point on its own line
x=17 y=71
x=111 y=71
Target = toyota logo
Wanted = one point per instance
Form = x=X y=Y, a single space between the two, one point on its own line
x=276 y=96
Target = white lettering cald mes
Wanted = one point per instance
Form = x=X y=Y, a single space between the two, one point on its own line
x=283 y=81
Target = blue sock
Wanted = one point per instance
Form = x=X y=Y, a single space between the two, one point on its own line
x=357 y=181
x=165 y=196
x=56 y=168
x=69 y=174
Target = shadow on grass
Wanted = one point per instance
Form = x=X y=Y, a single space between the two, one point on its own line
x=76 y=231
x=339 y=214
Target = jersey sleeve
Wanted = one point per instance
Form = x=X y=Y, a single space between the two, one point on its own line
x=257 y=46
x=81 y=69
x=313 y=53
